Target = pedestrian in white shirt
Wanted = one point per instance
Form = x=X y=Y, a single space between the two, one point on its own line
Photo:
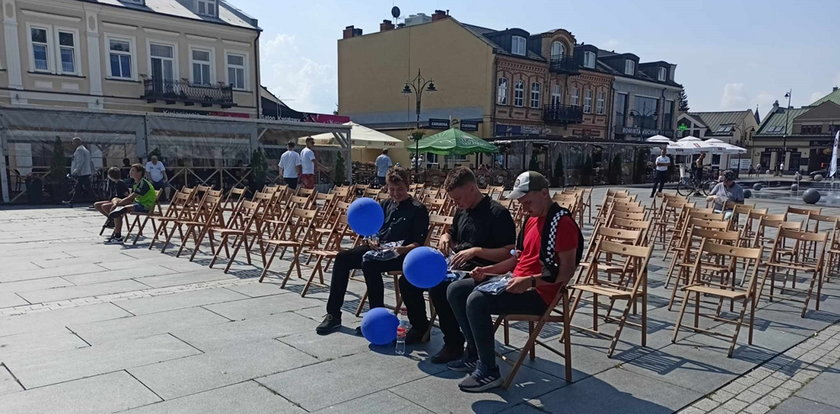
x=156 y=173
x=81 y=168
x=309 y=162
x=290 y=165
x=383 y=163
x=662 y=164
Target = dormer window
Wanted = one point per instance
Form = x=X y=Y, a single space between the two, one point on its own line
x=206 y=7
x=589 y=59
x=629 y=67
x=558 y=51
x=662 y=75
x=518 y=45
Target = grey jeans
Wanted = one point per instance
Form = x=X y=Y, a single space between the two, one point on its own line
x=474 y=310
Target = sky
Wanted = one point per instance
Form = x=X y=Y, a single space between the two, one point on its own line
x=730 y=54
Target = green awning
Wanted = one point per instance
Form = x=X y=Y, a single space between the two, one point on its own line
x=453 y=141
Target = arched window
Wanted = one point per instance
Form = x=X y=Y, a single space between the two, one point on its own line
x=501 y=92
x=518 y=45
x=558 y=51
x=556 y=96
x=518 y=93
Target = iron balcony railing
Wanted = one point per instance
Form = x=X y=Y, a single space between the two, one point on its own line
x=563 y=114
x=173 y=91
x=565 y=64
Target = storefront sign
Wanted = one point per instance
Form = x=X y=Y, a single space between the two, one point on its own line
x=506 y=130
x=469 y=125
x=204 y=113
x=531 y=130
x=438 y=123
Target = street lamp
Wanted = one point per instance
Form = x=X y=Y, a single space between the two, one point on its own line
x=784 y=140
x=417 y=86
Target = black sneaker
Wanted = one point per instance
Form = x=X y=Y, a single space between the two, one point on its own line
x=114 y=239
x=467 y=363
x=329 y=324
x=415 y=336
x=448 y=354
x=481 y=379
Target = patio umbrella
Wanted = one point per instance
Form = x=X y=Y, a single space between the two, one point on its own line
x=659 y=140
x=453 y=141
x=686 y=148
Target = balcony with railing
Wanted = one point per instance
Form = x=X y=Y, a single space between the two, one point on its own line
x=563 y=114
x=174 y=91
x=565 y=64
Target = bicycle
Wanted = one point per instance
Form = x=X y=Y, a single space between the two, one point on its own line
x=688 y=186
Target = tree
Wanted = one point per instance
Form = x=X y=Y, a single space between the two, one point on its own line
x=58 y=171
x=340 y=177
x=614 y=173
x=259 y=169
x=683 y=101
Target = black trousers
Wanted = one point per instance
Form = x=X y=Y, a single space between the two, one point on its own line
x=474 y=309
x=291 y=182
x=82 y=190
x=351 y=259
x=659 y=180
x=415 y=305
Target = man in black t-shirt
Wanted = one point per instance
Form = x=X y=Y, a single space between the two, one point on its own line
x=482 y=233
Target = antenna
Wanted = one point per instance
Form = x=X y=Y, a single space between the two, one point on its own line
x=395 y=11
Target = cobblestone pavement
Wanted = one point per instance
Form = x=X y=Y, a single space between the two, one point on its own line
x=86 y=327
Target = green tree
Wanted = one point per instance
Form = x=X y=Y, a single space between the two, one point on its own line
x=58 y=163
x=259 y=169
x=683 y=101
x=614 y=173
x=340 y=176
x=640 y=165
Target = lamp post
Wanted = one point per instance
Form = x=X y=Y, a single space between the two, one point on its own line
x=417 y=86
x=784 y=139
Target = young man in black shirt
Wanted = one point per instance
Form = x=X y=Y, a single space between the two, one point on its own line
x=406 y=221
x=482 y=234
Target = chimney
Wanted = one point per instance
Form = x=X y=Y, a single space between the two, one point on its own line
x=439 y=14
x=834 y=89
x=776 y=106
x=351 y=31
x=386 y=25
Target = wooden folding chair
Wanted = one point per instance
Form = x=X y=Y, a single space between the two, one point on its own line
x=630 y=286
x=234 y=197
x=135 y=219
x=685 y=258
x=833 y=252
x=792 y=213
x=727 y=255
x=297 y=234
x=790 y=255
x=248 y=226
x=208 y=215
x=535 y=326
x=179 y=209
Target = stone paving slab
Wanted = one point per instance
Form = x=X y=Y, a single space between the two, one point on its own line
x=246 y=397
x=37 y=284
x=230 y=334
x=37 y=371
x=180 y=301
x=119 y=274
x=382 y=402
x=73 y=292
x=262 y=306
x=9 y=299
x=106 y=393
x=220 y=367
x=796 y=405
x=77 y=269
x=141 y=326
x=58 y=318
x=8 y=383
x=41 y=342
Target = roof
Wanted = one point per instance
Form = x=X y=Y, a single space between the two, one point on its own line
x=774 y=123
x=602 y=66
x=228 y=15
x=834 y=96
x=483 y=33
x=360 y=137
x=714 y=120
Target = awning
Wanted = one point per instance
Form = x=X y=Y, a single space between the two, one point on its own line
x=361 y=136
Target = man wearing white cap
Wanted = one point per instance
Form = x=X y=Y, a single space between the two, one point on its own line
x=548 y=249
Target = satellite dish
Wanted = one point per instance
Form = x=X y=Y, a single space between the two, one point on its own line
x=395 y=11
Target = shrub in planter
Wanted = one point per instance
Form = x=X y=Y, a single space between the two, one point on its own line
x=259 y=169
x=57 y=178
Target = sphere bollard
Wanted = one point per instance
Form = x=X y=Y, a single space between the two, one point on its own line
x=794 y=187
x=758 y=186
x=811 y=196
x=818 y=177
x=747 y=193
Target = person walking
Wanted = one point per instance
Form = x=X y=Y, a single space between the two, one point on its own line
x=81 y=168
x=663 y=162
x=309 y=163
x=383 y=163
x=156 y=173
x=290 y=166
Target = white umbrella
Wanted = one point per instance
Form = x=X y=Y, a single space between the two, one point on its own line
x=659 y=140
x=689 y=139
x=685 y=148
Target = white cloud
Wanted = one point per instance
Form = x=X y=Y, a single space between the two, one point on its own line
x=815 y=96
x=764 y=101
x=733 y=96
x=304 y=84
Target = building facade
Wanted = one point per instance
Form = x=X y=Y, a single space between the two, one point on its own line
x=732 y=127
x=801 y=139
x=180 y=56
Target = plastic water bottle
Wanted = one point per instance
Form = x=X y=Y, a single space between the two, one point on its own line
x=402 y=328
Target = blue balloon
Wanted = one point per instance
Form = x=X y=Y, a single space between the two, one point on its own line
x=424 y=267
x=379 y=326
x=365 y=216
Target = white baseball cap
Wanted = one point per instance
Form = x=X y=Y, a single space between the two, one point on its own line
x=527 y=182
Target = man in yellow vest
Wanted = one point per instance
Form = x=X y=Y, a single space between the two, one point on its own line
x=141 y=200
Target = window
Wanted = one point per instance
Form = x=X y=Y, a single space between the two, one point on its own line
x=201 y=67
x=811 y=129
x=206 y=7
x=776 y=129
x=646 y=112
x=502 y=92
x=589 y=59
x=575 y=97
x=40 y=49
x=722 y=129
x=620 y=109
x=236 y=71
x=119 y=58
x=535 y=94
x=518 y=93
x=587 y=101
x=599 y=103
x=668 y=115
x=558 y=51
x=162 y=58
x=629 y=67
x=518 y=45
x=556 y=96
x=662 y=75
x=67 y=51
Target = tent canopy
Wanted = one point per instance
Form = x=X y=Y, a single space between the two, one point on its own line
x=453 y=141
x=659 y=140
x=361 y=137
